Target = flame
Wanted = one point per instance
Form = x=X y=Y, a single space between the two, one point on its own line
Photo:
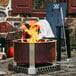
x=32 y=31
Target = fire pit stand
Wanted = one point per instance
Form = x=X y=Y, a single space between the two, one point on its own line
x=31 y=69
x=34 y=58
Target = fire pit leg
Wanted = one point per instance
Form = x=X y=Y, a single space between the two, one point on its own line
x=31 y=69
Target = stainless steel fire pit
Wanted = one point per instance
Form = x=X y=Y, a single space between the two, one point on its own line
x=34 y=58
x=34 y=53
x=43 y=52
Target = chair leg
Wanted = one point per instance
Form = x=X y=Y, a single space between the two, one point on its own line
x=58 y=29
x=67 y=42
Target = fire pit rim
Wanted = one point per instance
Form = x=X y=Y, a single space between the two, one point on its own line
x=48 y=41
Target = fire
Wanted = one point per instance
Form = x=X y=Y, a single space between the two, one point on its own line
x=30 y=29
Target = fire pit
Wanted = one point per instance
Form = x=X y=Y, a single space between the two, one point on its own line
x=40 y=52
x=44 y=52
